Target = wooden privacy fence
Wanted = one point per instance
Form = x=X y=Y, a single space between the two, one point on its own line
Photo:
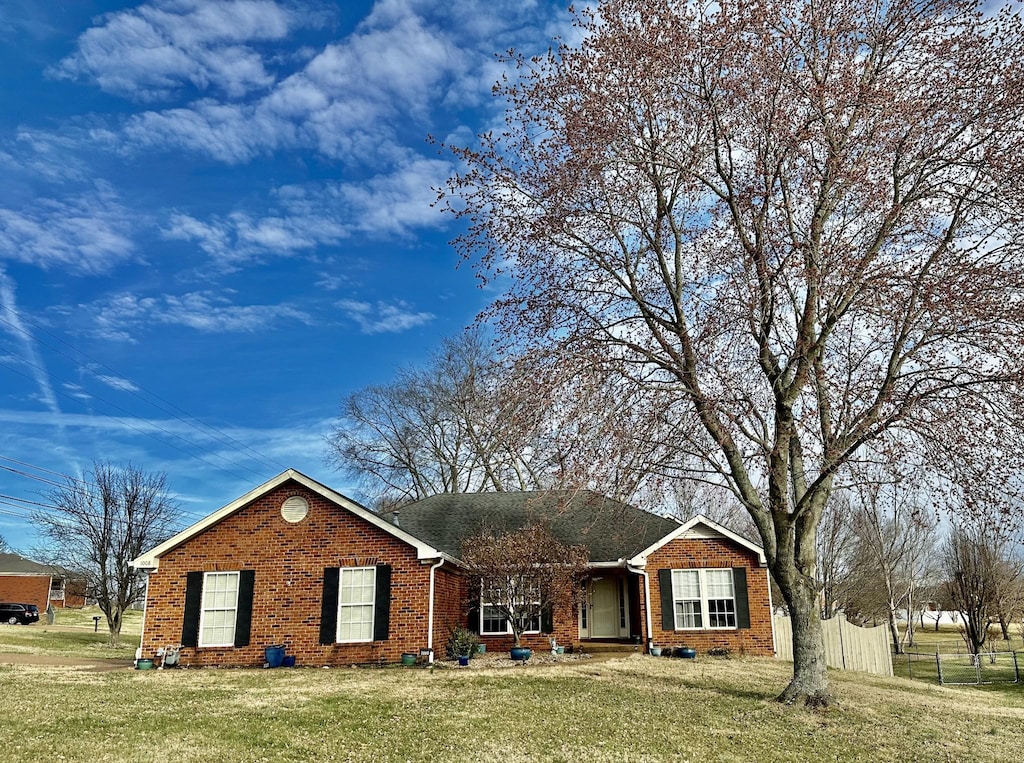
x=847 y=646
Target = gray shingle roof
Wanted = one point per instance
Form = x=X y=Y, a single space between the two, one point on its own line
x=15 y=564
x=609 y=529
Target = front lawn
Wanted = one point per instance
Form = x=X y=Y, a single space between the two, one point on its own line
x=633 y=709
x=72 y=635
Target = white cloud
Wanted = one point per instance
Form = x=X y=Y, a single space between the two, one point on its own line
x=205 y=312
x=118 y=383
x=354 y=98
x=399 y=200
x=87 y=234
x=383 y=318
x=76 y=391
x=309 y=216
x=241 y=236
x=152 y=51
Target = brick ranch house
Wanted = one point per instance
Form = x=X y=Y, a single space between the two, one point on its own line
x=26 y=582
x=293 y=562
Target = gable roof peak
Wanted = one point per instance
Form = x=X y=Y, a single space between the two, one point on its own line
x=151 y=559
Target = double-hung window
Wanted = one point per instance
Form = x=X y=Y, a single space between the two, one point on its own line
x=686 y=595
x=494 y=622
x=356 y=589
x=720 y=599
x=704 y=598
x=219 y=609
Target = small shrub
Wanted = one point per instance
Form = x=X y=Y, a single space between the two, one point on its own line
x=461 y=643
x=720 y=651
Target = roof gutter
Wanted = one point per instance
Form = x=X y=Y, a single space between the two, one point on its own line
x=608 y=565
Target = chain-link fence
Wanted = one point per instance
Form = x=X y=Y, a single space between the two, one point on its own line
x=953 y=669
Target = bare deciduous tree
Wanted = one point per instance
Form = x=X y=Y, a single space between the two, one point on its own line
x=1009 y=587
x=969 y=564
x=100 y=524
x=524 y=573
x=893 y=541
x=835 y=552
x=799 y=222
x=455 y=425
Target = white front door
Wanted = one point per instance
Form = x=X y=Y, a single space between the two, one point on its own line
x=604 y=608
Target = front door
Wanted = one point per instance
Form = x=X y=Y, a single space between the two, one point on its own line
x=604 y=607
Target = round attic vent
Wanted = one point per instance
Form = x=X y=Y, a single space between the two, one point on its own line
x=294 y=509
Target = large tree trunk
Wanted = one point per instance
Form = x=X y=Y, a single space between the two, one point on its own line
x=894 y=632
x=810 y=676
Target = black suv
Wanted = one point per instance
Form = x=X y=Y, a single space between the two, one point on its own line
x=19 y=613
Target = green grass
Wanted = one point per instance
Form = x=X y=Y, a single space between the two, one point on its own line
x=948 y=640
x=920 y=662
x=72 y=635
x=634 y=709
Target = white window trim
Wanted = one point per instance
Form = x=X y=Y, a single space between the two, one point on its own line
x=508 y=624
x=705 y=615
x=341 y=606
x=203 y=609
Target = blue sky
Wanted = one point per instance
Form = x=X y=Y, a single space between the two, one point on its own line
x=215 y=221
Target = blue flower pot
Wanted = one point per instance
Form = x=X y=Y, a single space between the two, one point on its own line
x=520 y=653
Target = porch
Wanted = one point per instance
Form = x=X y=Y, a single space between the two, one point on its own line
x=610 y=612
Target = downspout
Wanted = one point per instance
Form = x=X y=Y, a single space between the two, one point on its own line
x=430 y=613
x=771 y=610
x=647 y=600
x=142 y=634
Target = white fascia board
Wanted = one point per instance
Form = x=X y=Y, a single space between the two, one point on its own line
x=640 y=560
x=151 y=559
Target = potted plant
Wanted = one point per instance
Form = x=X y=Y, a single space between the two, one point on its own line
x=655 y=651
x=462 y=644
x=686 y=652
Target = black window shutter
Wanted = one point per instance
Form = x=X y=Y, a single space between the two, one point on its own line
x=668 y=606
x=193 y=606
x=547 y=620
x=243 y=617
x=329 y=606
x=739 y=582
x=382 y=603
x=473 y=620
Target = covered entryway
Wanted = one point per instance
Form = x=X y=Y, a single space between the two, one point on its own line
x=607 y=608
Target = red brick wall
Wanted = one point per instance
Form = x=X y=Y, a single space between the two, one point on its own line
x=714 y=553
x=26 y=589
x=449 y=605
x=566 y=633
x=289 y=561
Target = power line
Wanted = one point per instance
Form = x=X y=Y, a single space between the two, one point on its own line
x=45 y=481
x=128 y=424
x=60 y=486
x=44 y=470
x=192 y=421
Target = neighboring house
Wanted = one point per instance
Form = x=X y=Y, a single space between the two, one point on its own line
x=28 y=582
x=296 y=563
